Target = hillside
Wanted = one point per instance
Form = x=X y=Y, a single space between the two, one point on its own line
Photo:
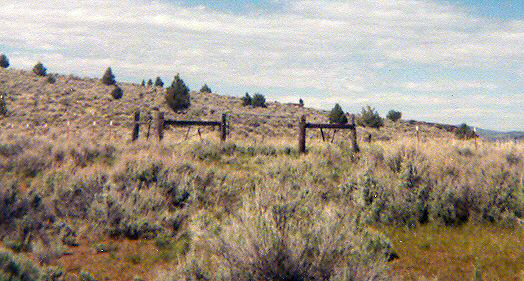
x=73 y=103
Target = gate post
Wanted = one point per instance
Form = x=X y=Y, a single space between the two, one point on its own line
x=136 y=129
x=160 y=125
x=302 y=134
x=354 y=143
x=223 y=128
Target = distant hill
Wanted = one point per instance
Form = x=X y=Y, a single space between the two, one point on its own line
x=497 y=135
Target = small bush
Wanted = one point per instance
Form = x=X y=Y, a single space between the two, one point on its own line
x=258 y=100
x=108 y=78
x=205 y=89
x=337 y=116
x=86 y=276
x=246 y=100
x=370 y=118
x=394 y=115
x=159 y=82
x=51 y=79
x=177 y=95
x=117 y=93
x=13 y=268
x=3 y=105
x=39 y=69
x=4 y=61
x=464 y=132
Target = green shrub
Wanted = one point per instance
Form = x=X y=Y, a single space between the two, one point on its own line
x=246 y=100
x=143 y=84
x=108 y=78
x=370 y=118
x=394 y=115
x=464 y=132
x=159 y=82
x=337 y=116
x=39 y=69
x=205 y=89
x=258 y=100
x=117 y=93
x=4 y=61
x=177 y=95
x=86 y=276
x=16 y=268
x=3 y=105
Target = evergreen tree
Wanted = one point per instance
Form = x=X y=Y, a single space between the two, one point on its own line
x=4 y=61
x=465 y=132
x=337 y=116
x=158 y=82
x=246 y=100
x=39 y=69
x=394 y=115
x=301 y=102
x=117 y=92
x=108 y=78
x=370 y=118
x=258 y=100
x=143 y=84
x=150 y=83
x=177 y=95
x=205 y=89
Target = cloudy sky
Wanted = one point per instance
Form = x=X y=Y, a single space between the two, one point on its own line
x=443 y=61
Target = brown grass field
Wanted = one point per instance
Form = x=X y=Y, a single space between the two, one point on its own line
x=79 y=198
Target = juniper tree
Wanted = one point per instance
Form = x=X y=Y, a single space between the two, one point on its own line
x=177 y=96
x=258 y=100
x=39 y=69
x=370 y=118
x=143 y=84
x=301 y=102
x=465 y=132
x=117 y=92
x=4 y=61
x=159 y=82
x=108 y=78
x=246 y=100
x=394 y=115
x=337 y=116
x=150 y=83
x=205 y=89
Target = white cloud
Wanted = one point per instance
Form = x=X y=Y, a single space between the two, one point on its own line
x=334 y=46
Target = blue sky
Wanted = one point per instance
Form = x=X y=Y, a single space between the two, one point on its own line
x=451 y=61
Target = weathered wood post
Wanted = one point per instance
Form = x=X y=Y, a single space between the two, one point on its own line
x=223 y=128
x=160 y=125
x=354 y=143
x=322 y=133
x=136 y=129
x=302 y=134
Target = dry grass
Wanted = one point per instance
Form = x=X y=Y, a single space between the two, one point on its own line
x=107 y=191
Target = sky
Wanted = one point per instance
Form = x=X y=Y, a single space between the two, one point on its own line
x=455 y=61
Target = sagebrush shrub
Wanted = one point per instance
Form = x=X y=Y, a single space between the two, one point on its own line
x=17 y=268
x=3 y=105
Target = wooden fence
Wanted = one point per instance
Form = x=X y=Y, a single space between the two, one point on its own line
x=161 y=124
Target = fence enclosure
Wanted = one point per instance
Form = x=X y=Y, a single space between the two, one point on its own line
x=161 y=124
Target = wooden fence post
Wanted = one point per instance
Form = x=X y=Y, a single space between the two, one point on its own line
x=223 y=128
x=302 y=134
x=136 y=129
x=354 y=143
x=160 y=125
